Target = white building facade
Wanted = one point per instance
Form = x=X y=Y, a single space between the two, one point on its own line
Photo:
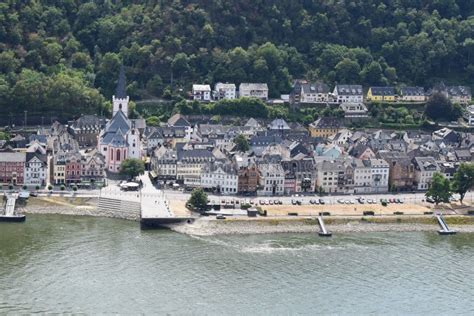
x=225 y=91
x=348 y=93
x=202 y=92
x=223 y=178
x=272 y=179
x=36 y=168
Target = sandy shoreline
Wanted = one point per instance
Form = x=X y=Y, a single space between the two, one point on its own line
x=209 y=227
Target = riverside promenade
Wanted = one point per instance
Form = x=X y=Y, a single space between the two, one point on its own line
x=152 y=204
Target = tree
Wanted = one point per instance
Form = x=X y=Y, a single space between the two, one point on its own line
x=242 y=143
x=440 y=189
x=198 y=200
x=463 y=179
x=438 y=107
x=153 y=121
x=132 y=167
x=347 y=71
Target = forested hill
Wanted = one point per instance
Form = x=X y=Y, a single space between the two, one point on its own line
x=66 y=56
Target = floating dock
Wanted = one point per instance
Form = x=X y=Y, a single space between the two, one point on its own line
x=323 y=231
x=444 y=227
x=10 y=215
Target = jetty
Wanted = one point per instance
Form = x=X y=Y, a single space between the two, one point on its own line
x=444 y=227
x=10 y=214
x=156 y=211
x=323 y=231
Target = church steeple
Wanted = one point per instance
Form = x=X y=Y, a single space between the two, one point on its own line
x=120 y=91
x=120 y=98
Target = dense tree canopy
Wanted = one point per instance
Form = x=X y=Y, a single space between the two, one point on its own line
x=132 y=167
x=166 y=45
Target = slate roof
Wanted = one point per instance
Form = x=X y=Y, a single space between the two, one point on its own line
x=317 y=87
x=41 y=157
x=347 y=89
x=116 y=129
x=412 y=91
x=252 y=123
x=382 y=90
x=461 y=91
x=326 y=122
x=12 y=157
x=178 y=120
x=278 y=124
x=426 y=164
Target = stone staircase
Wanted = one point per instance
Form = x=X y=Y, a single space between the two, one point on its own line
x=119 y=208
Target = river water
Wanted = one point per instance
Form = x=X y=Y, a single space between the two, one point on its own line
x=60 y=264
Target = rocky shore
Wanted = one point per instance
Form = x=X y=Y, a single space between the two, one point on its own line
x=211 y=226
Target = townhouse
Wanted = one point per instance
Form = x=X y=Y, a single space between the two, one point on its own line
x=254 y=90
x=201 y=92
x=348 y=93
x=381 y=94
x=425 y=167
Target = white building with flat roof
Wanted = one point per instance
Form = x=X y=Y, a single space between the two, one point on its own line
x=254 y=90
x=201 y=92
x=224 y=91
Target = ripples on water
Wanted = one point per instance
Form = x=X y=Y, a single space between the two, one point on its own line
x=55 y=264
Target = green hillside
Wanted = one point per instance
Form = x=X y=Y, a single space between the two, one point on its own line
x=65 y=58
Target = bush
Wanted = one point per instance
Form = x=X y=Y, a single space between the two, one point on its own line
x=245 y=206
x=50 y=187
x=37 y=187
x=10 y=187
x=24 y=187
x=63 y=188
x=74 y=188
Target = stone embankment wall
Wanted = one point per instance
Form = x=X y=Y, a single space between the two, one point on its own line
x=75 y=206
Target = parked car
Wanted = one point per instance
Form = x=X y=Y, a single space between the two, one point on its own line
x=220 y=217
x=321 y=201
x=270 y=202
x=33 y=194
x=361 y=200
x=340 y=201
x=429 y=199
x=316 y=202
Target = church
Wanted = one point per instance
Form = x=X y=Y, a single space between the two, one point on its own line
x=120 y=139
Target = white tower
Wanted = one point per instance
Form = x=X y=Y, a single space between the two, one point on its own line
x=133 y=138
x=120 y=99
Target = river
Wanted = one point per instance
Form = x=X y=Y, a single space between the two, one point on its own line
x=60 y=264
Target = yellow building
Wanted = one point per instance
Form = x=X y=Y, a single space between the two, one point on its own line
x=386 y=94
x=325 y=127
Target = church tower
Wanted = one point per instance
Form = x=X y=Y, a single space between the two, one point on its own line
x=120 y=99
